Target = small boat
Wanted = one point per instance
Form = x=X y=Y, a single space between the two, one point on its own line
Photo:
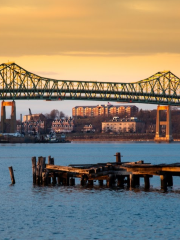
x=51 y=137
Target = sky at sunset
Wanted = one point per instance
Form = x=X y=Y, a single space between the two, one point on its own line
x=117 y=40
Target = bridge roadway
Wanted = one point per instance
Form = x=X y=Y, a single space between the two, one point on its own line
x=162 y=88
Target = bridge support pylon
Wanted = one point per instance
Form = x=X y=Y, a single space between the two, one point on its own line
x=167 y=123
x=13 y=116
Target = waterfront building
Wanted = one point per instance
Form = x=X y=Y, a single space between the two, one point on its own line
x=88 y=128
x=63 y=125
x=106 y=110
x=119 y=125
x=33 y=123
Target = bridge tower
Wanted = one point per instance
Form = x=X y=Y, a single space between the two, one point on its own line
x=13 y=116
x=167 y=123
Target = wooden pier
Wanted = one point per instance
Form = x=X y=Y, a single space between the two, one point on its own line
x=108 y=174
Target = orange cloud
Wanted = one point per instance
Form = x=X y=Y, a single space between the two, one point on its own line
x=101 y=28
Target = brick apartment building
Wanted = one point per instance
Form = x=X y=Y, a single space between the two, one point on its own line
x=99 y=110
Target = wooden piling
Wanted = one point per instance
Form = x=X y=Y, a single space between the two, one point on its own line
x=45 y=178
x=120 y=181
x=65 y=179
x=38 y=174
x=54 y=179
x=83 y=180
x=34 y=169
x=132 y=180
x=40 y=163
x=136 y=180
x=90 y=182
x=118 y=157
x=128 y=181
x=100 y=183
x=163 y=182
x=49 y=179
x=43 y=163
x=59 y=179
x=110 y=180
x=50 y=160
x=146 y=182
x=12 y=175
x=72 y=181
x=169 y=180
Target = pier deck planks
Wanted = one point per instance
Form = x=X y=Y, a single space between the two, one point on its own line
x=113 y=172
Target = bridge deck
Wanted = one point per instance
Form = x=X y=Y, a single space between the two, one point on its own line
x=17 y=83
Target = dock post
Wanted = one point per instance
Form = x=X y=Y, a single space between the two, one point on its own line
x=120 y=182
x=132 y=180
x=59 y=179
x=54 y=179
x=45 y=178
x=118 y=157
x=37 y=174
x=163 y=182
x=42 y=161
x=50 y=160
x=65 y=179
x=90 y=183
x=83 y=181
x=146 y=182
x=169 y=180
x=110 y=180
x=100 y=183
x=128 y=181
x=12 y=175
x=136 y=180
x=48 y=178
x=72 y=181
x=40 y=168
x=34 y=169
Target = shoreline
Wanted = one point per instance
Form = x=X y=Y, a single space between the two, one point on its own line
x=118 y=140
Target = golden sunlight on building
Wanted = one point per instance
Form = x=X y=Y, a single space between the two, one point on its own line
x=120 y=125
x=104 y=110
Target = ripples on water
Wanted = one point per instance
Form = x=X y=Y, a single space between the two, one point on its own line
x=32 y=212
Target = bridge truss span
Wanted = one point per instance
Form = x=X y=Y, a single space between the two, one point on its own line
x=17 y=83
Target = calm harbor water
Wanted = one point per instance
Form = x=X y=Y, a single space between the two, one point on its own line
x=32 y=212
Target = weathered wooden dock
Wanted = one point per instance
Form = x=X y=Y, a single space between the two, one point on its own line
x=108 y=174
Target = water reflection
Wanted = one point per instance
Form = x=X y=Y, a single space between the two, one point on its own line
x=65 y=212
x=53 y=189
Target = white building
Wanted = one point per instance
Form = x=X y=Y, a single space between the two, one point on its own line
x=124 y=125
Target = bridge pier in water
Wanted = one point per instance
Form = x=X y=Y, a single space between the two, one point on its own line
x=167 y=123
x=13 y=116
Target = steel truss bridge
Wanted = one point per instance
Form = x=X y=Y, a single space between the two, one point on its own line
x=17 y=83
